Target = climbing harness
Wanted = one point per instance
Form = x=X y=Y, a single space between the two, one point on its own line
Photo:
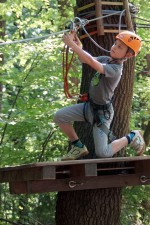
x=98 y=119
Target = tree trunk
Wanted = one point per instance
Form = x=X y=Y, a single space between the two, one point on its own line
x=88 y=207
x=101 y=206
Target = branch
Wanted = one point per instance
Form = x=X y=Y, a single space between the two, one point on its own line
x=17 y=95
x=45 y=144
x=11 y=222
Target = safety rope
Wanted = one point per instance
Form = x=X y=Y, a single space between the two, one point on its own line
x=33 y=38
x=63 y=31
x=82 y=24
x=101 y=17
x=66 y=67
x=120 y=18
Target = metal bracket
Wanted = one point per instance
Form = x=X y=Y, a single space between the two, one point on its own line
x=73 y=184
x=144 y=179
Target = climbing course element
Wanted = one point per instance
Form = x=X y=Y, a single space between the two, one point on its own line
x=77 y=175
x=101 y=12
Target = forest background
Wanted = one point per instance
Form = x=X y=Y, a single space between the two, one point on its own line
x=32 y=91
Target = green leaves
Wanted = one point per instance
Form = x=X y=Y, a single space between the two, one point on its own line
x=32 y=81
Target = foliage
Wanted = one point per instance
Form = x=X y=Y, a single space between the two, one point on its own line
x=32 y=84
x=136 y=206
x=136 y=201
x=32 y=92
x=34 y=209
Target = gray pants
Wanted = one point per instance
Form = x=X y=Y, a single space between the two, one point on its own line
x=75 y=113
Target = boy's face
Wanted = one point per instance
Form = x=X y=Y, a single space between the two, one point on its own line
x=118 y=50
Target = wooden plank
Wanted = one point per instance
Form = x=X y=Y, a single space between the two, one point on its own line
x=27 y=173
x=128 y=15
x=84 y=183
x=83 y=170
x=141 y=166
x=102 y=2
x=49 y=172
x=91 y=169
x=99 y=22
x=85 y=7
x=111 y=25
x=24 y=174
x=112 y=3
x=116 y=168
x=114 y=31
x=75 y=168
x=76 y=162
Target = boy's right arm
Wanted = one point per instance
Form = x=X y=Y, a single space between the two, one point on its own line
x=83 y=55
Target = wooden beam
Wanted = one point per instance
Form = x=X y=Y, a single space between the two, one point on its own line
x=99 y=22
x=102 y=2
x=49 y=172
x=76 y=169
x=114 y=31
x=142 y=166
x=27 y=173
x=81 y=183
x=76 y=162
x=128 y=15
x=91 y=169
x=85 y=7
x=81 y=170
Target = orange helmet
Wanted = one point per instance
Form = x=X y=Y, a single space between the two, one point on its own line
x=131 y=39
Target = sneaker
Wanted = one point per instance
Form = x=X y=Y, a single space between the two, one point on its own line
x=138 y=142
x=75 y=153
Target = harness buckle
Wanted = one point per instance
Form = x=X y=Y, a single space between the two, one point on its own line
x=84 y=97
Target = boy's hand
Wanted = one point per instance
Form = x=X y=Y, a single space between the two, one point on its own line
x=77 y=40
x=70 y=39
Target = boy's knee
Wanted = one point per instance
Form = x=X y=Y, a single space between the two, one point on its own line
x=60 y=117
x=57 y=117
x=104 y=153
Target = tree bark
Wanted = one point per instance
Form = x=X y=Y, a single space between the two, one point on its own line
x=98 y=207
x=147 y=134
x=88 y=207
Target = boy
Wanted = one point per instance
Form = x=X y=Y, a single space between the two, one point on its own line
x=99 y=110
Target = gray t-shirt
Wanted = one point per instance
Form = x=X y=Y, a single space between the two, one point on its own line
x=103 y=85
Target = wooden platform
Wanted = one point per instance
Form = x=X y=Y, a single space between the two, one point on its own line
x=77 y=175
